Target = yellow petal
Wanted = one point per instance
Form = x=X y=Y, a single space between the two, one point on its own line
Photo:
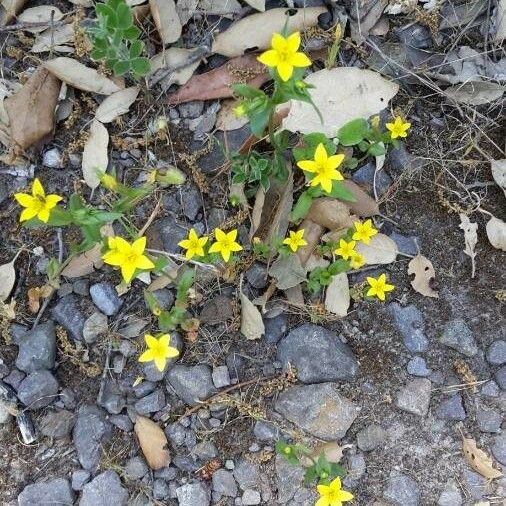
x=185 y=243
x=269 y=58
x=113 y=258
x=278 y=42
x=25 y=200
x=371 y=292
x=52 y=200
x=299 y=60
x=37 y=189
x=307 y=165
x=293 y=42
x=190 y=253
x=285 y=70
x=160 y=363
x=203 y=241
x=220 y=235
x=139 y=245
x=344 y=495
x=388 y=288
x=143 y=262
x=127 y=271
x=235 y=247
x=320 y=155
x=171 y=352
x=334 y=161
x=322 y=489
x=43 y=215
x=322 y=501
x=326 y=184
x=232 y=235
x=122 y=245
x=147 y=356
x=225 y=254
x=28 y=214
x=151 y=341
x=372 y=281
x=381 y=295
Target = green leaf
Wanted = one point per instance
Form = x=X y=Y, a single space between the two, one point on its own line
x=258 y=119
x=76 y=203
x=121 y=67
x=246 y=91
x=124 y=16
x=311 y=142
x=184 y=284
x=302 y=206
x=337 y=470
x=107 y=12
x=140 y=66
x=353 y=132
x=136 y=48
x=160 y=263
x=377 y=149
x=310 y=475
x=59 y=217
x=98 y=54
x=152 y=302
x=131 y=33
x=350 y=163
x=339 y=191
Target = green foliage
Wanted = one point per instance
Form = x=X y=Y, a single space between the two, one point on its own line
x=311 y=142
x=322 y=276
x=253 y=170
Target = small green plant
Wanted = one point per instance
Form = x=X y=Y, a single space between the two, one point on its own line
x=252 y=170
x=116 y=40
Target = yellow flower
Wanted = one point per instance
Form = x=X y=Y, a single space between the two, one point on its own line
x=128 y=257
x=295 y=241
x=284 y=55
x=379 y=287
x=158 y=351
x=399 y=128
x=375 y=122
x=151 y=179
x=346 y=249
x=37 y=204
x=109 y=182
x=325 y=168
x=194 y=245
x=356 y=260
x=225 y=243
x=239 y=111
x=333 y=494
x=364 y=231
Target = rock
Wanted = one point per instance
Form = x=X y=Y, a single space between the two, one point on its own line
x=217 y=310
x=192 y=109
x=410 y=322
x=193 y=494
x=224 y=483
x=458 y=336
x=401 y=160
x=69 y=316
x=38 y=389
x=171 y=231
x=221 y=376
x=247 y=474
x=52 y=158
x=418 y=367
x=474 y=484
x=402 y=490
x=104 y=490
x=489 y=420
x=105 y=297
x=192 y=201
x=275 y=328
x=415 y=397
x=123 y=422
x=176 y=433
x=205 y=451
x=37 y=348
x=450 y=496
x=496 y=353
x=405 y=244
x=499 y=448
x=415 y=35
x=151 y=403
x=164 y=297
x=490 y=389
x=257 y=275
x=90 y=430
x=371 y=437
x=160 y=489
x=318 y=409
x=289 y=480
x=264 y=431
x=57 y=424
x=191 y=383
x=81 y=287
x=135 y=468
x=500 y=377
x=48 y=493
x=5 y=416
x=14 y=378
x=79 y=479
x=94 y=326
x=235 y=363
x=251 y=497
x=65 y=289
x=365 y=175
x=451 y=409
x=112 y=398
x=318 y=355
x=356 y=469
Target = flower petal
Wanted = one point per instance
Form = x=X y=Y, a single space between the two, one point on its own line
x=320 y=154
x=25 y=200
x=171 y=352
x=37 y=189
x=52 y=200
x=278 y=42
x=285 y=70
x=269 y=58
x=160 y=363
x=293 y=42
x=299 y=60
x=225 y=254
x=147 y=356
x=127 y=271
x=143 y=262
x=308 y=165
x=322 y=501
x=344 y=495
x=113 y=257
x=220 y=235
x=215 y=248
x=43 y=215
x=139 y=245
x=334 y=161
x=122 y=246
x=28 y=214
x=235 y=247
x=151 y=341
x=232 y=235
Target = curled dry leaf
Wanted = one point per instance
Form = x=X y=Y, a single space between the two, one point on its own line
x=175 y=58
x=479 y=460
x=330 y=213
x=424 y=271
x=337 y=296
x=496 y=233
x=226 y=119
x=35 y=294
x=95 y=157
x=40 y=14
x=166 y=20
x=252 y=325
x=9 y=9
x=255 y=31
x=475 y=92
x=153 y=443
x=116 y=104
x=288 y=271
x=499 y=172
x=360 y=94
x=53 y=39
x=259 y=5
x=380 y=250
x=312 y=234
x=7 y=278
x=470 y=239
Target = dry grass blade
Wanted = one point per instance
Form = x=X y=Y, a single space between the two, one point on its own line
x=479 y=460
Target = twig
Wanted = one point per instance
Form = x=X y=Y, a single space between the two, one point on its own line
x=35 y=24
x=182 y=258
x=151 y=218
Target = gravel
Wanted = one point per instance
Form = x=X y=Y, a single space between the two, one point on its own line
x=414 y=397
x=499 y=448
x=402 y=490
x=411 y=325
x=275 y=328
x=224 y=483
x=152 y=403
x=251 y=497
x=105 y=297
x=104 y=490
x=69 y=316
x=37 y=348
x=451 y=409
x=38 y=389
x=500 y=377
x=496 y=353
x=79 y=479
x=458 y=336
x=418 y=367
x=57 y=424
x=371 y=437
x=489 y=420
x=191 y=383
x=257 y=275
x=94 y=326
x=49 y=493
x=221 y=376
x=135 y=468
x=451 y=495
x=193 y=494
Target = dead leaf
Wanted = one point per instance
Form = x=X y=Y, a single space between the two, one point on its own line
x=330 y=213
x=255 y=31
x=166 y=20
x=295 y=296
x=31 y=109
x=226 y=8
x=479 y=460
x=360 y=94
x=116 y=104
x=217 y=82
x=252 y=325
x=80 y=76
x=496 y=233
x=7 y=278
x=85 y=263
x=153 y=443
x=39 y=14
x=259 y=5
x=53 y=39
x=475 y=92
x=226 y=119
x=332 y=451
x=337 y=296
x=424 y=271
x=364 y=17
x=35 y=294
x=288 y=271
x=174 y=58
x=500 y=34
x=499 y=173
x=470 y=239
x=312 y=235
x=9 y=9
x=95 y=157
x=380 y=250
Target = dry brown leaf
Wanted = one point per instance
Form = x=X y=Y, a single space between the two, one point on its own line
x=259 y=5
x=337 y=296
x=252 y=325
x=332 y=451
x=53 y=39
x=360 y=94
x=479 y=460
x=85 y=263
x=116 y=104
x=363 y=205
x=31 y=109
x=424 y=271
x=95 y=157
x=288 y=271
x=312 y=235
x=7 y=278
x=255 y=31
x=475 y=92
x=496 y=233
x=9 y=9
x=363 y=17
x=227 y=120
x=80 y=76
x=153 y=443
x=330 y=213
x=470 y=239
x=295 y=296
x=166 y=20
x=174 y=58
x=35 y=294
x=380 y=250
x=39 y=14
x=499 y=172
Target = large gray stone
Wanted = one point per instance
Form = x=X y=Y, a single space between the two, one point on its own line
x=104 y=490
x=496 y=353
x=49 y=493
x=402 y=490
x=318 y=355
x=414 y=397
x=224 y=483
x=37 y=348
x=191 y=383
x=69 y=316
x=411 y=325
x=57 y=424
x=318 y=409
x=105 y=297
x=458 y=336
x=451 y=409
x=193 y=494
x=499 y=448
x=247 y=474
x=38 y=389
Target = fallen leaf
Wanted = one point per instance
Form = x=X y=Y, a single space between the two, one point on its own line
x=475 y=92
x=496 y=233
x=34 y=295
x=7 y=278
x=31 y=109
x=295 y=296
x=186 y=9
x=363 y=17
x=470 y=239
x=337 y=296
x=9 y=9
x=166 y=20
x=479 y=460
x=226 y=120
x=53 y=39
x=85 y=263
x=312 y=235
x=288 y=271
x=332 y=451
x=252 y=325
x=255 y=31
x=330 y=213
x=217 y=83
x=153 y=443
x=80 y=76
x=174 y=58
x=7 y=88
x=499 y=173
x=360 y=94
x=95 y=157
x=259 y=5
x=39 y=14
x=500 y=34
x=116 y=104
x=380 y=250
x=424 y=271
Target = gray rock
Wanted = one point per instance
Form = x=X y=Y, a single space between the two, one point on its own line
x=415 y=35
x=411 y=325
x=37 y=348
x=418 y=367
x=112 y=398
x=402 y=490
x=14 y=378
x=489 y=420
x=365 y=175
x=496 y=353
x=69 y=316
x=264 y=431
x=205 y=451
x=499 y=448
x=94 y=326
x=192 y=201
x=79 y=479
x=176 y=433
x=275 y=328
x=224 y=483
x=104 y=490
x=171 y=231
x=405 y=244
x=247 y=474
x=193 y=494
x=48 y=493
x=65 y=289
x=371 y=437
x=318 y=355
x=490 y=389
x=191 y=383
x=401 y=160
x=5 y=416
x=474 y=483
x=160 y=489
x=318 y=409
x=57 y=424
x=451 y=409
x=251 y=497
x=500 y=377
x=90 y=431
x=192 y=109
x=123 y=422
x=52 y=158
x=166 y=473
x=164 y=297
x=81 y=287
x=135 y=468
x=356 y=469
x=450 y=496
x=38 y=389
x=221 y=376
x=289 y=480
x=105 y=297
x=458 y=336
x=152 y=403
x=415 y=397
x=257 y=275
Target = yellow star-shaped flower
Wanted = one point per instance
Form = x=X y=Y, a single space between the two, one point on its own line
x=346 y=249
x=363 y=231
x=38 y=204
x=109 y=182
x=159 y=350
x=399 y=128
x=239 y=110
x=128 y=257
x=225 y=243
x=333 y=494
x=356 y=260
x=194 y=245
x=295 y=241
x=324 y=167
x=379 y=287
x=285 y=55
